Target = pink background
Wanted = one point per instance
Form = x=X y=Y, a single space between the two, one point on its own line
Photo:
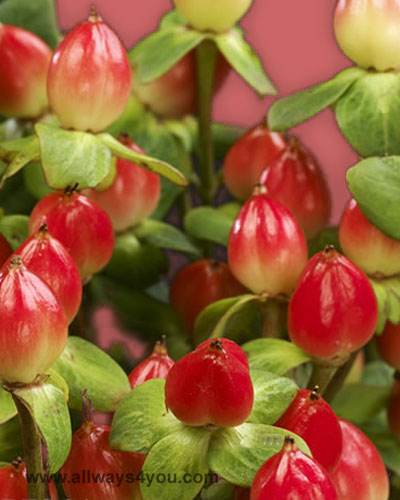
x=296 y=43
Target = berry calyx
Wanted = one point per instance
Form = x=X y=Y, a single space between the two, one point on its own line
x=292 y=474
x=33 y=327
x=393 y=410
x=361 y=473
x=89 y=79
x=134 y=193
x=366 y=245
x=295 y=179
x=230 y=347
x=24 y=61
x=310 y=417
x=249 y=157
x=200 y=284
x=80 y=224
x=333 y=310
x=267 y=249
x=210 y=386
x=388 y=345
x=157 y=365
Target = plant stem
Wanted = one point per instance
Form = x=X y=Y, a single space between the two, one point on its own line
x=206 y=58
x=321 y=377
x=274 y=313
x=32 y=450
x=184 y=203
x=339 y=378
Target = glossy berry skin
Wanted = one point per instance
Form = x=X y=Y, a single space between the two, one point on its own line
x=157 y=365
x=249 y=157
x=231 y=348
x=33 y=327
x=210 y=386
x=361 y=473
x=267 y=250
x=90 y=451
x=13 y=483
x=133 y=195
x=24 y=60
x=174 y=94
x=292 y=474
x=388 y=345
x=89 y=79
x=368 y=32
x=46 y=257
x=333 y=310
x=296 y=180
x=80 y=224
x=200 y=284
x=393 y=411
x=310 y=417
x=366 y=245
x=5 y=249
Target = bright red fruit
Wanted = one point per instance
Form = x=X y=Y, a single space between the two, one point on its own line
x=24 y=60
x=333 y=310
x=132 y=196
x=388 y=345
x=210 y=386
x=267 y=249
x=249 y=157
x=157 y=365
x=361 y=473
x=293 y=475
x=13 y=483
x=366 y=245
x=231 y=348
x=46 y=257
x=91 y=452
x=80 y=224
x=295 y=179
x=33 y=327
x=89 y=80
x=394 y=407
x=310 y=417
x=200 y=284
x=174 y=94
x=5 y=249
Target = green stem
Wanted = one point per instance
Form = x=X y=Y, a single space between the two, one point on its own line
x=321 y=377
x=184 y=205
x=206 y=58
x=32 y=445
x=274 y=313
x=339 y=378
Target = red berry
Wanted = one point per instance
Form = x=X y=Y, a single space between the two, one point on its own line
x=5 y=250
x=132 y=196
x=80 y=224
x=292 y=474
x=157 y=365
x=33 y=327
x=200 y=284
x=24 y=60
x=361 y=473
x=174 y=94
x=366 y=245
x=230 y=347
x=248 y=158
x=295 y=179
x=210 y=386
x=89 y=80
x=388 y=345
x=240 y=493
x=310 y=417
x=394 y=408
x=267 y=249
x=46 y=257
x=333 y=310
x=13 y=483
x=91 y=452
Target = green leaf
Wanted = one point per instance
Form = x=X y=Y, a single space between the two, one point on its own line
x=38 y=16
x=70 y=157
x=297 y=108
x=48 y=407
x=10 y=440
x=378 y=373
x=375 y=184
x=7 y=406
x=237 y=453
x=34 y=181
x=219 y=491
x=153 y=164
x=244 y=60
x=141 y=420
x=373 y=99
x=171 y=18
x=209 y=224
x=328 y=236
x=387 y=292
x=272 y=396
x=274 y=355
x=178 y=456
x=15 y=229
x=29 y=153
x=84 y=366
